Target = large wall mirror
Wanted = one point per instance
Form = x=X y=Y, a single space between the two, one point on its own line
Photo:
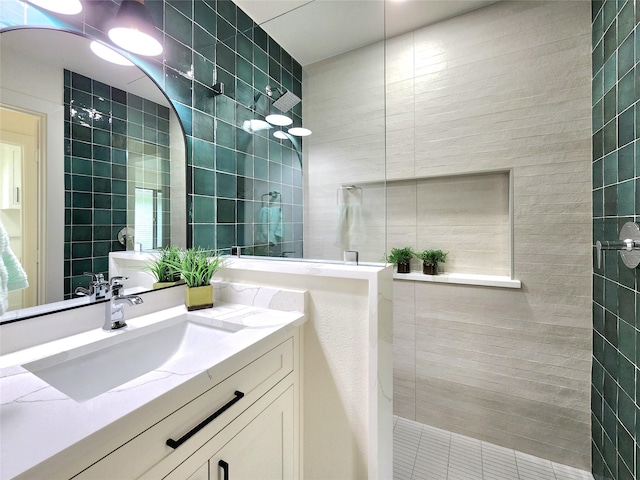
x=99 y=153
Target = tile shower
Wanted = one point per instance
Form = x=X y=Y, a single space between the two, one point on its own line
x=615 y=388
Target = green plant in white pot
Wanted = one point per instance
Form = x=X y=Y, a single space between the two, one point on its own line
x=431 y=259
x=164 y=267
x=197 y=267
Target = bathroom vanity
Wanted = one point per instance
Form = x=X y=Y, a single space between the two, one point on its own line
x=291 y=366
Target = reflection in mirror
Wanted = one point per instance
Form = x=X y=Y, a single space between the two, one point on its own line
x=103 y=161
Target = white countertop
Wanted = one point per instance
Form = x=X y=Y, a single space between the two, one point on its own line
x=38 y=421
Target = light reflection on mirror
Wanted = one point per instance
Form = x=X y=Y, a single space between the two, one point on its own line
x=32 y=88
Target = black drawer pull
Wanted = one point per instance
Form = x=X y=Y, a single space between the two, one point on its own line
x=225 y=469
x=176 y=443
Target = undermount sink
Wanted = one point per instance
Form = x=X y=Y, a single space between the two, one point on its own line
x=91 y=370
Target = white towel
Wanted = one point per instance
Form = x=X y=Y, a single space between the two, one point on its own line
x=270 y=225
x=12 y=275
x=350 y=229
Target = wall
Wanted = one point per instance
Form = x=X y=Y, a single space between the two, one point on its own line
x=126 y=145
x=228 y=169
x=616 y=200
x=503 y=88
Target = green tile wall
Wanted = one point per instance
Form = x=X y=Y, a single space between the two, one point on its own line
x=228 y=170
x=615 y=397
x=107 y=131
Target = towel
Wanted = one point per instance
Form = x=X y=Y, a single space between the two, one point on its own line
x=349 y=230
x=12 y=275
x=270 y=225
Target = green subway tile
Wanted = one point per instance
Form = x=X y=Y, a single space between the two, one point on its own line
x=225 y=159
x=81 y=249
x=81 y=200
x=260 y=168
x=627 y=410
x=203 y=126
x=610 y=9
x=244 y=70
x=626 y=198
x=260 y=80
x=229 y=81
x=226 y=185
x=178 y=25
x=119 y=217
x=611 y=294
x=205 y=16
x=81 y=166
x=225 y=58
x=101 y=169
x=626 y=21
x=81 y=149
x=119 y=202
x=101 y=232
x=224 y=134
x=245 y=47
x=225 y=109
x=626 y=91
x=610 y=167
x=626 y=375
x=226 y=236
x=204 y=209
x=626 y=127
x=203 y=153
x=100 y=265
x=226 y=211
x=81 y=132
x=203 y=182
x=102 y=217
x=597 y=27
x=119 y=187
x=81 y=216
x=275 y=69
x=610 y=73
x=204 y=236
x=610 y=105
x=610 y=139
x=611 y=329
x=260 y=38
x=626 y=165
x=81 y=183
x=78 y=267
x=626 y=56
x=626 y=305
x=260 y=60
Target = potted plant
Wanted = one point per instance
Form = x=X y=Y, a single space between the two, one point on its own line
x=430 y=260
x=165 y=268
x=402 y=258
x=197 y=266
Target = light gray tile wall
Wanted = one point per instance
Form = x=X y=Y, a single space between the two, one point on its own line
x=503 y=87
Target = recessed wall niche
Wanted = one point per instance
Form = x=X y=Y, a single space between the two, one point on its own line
x=467 y=216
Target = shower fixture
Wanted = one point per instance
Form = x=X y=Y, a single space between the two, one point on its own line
x=628 y=245
x=285 y=101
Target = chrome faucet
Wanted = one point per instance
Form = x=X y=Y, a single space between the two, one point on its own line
x=114 y=308
x=98 y=288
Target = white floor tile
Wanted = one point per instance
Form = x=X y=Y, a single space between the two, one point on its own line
x=422 y=452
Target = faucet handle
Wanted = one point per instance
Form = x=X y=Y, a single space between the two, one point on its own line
x=115 y=284
x=95 y=277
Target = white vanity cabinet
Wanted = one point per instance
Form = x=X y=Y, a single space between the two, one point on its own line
x=248 y=418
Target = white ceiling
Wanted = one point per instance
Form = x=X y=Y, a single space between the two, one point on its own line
x=312 y=30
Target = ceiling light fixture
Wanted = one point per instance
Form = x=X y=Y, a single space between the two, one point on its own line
x=133 y=29
x=300 y=132
x=279 y=120
x=66 y=7
x=280 y=134
x=109 y=54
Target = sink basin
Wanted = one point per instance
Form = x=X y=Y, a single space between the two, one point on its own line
x=91 y=370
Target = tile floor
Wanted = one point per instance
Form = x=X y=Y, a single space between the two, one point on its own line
x=422 y=452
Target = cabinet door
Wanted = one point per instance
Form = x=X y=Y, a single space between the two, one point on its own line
x=263 y=449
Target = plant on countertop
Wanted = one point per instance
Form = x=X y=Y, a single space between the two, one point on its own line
x=401 y=257
x=431 y=259
x=165 y=267
x=197 y=267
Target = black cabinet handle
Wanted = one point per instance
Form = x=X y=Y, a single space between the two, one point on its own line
x=225 y=469
x=176 y=443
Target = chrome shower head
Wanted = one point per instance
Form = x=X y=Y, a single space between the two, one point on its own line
x=286 y=102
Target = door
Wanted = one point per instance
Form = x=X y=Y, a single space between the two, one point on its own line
x=19 y=198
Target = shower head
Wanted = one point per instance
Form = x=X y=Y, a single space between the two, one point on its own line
x=286 y=102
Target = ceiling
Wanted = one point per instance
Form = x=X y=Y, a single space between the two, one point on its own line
x=312 y=30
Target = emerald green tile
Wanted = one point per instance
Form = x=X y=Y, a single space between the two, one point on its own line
x=226 y=185
x=226 y=236
x=225 y=135
x=225 y=58
x=226 y=211
x=626 y=127
x=203 y=182
x=78 y=267
x=204 y=209
x=626 y=198
x=81 y=183
x=80 y=82
x=205 y=16
x=245 y=47
x=101 y=265
x=610 y=167
x=260 y=168
x=610 y=390
x=178 y=25
x=610 y=105
x=119 y=187
x=626 y=375
x=81 y=200
x=626 y=91
x=179 y=89
x=244 y=70
x=225 y=109
x=610 y=72
x=229 y=81
x=203 y=126
x=225 y=159
x=204 y=236
x=203 y=153
x=626 y=162
x=260 y=80
x=118 y=217
x=597 y=56
x=275 y=69
x=102 y=217
x=626 y=56
x=102 y=200
x=610 y=140
x=610 y=9
x=260 y=38
x=627 y=410
x=118 y=202
x=611 y=292
x=626 y=305
x=81 y=166
x=81 y=149
x=626 y=21
x=260 y=59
